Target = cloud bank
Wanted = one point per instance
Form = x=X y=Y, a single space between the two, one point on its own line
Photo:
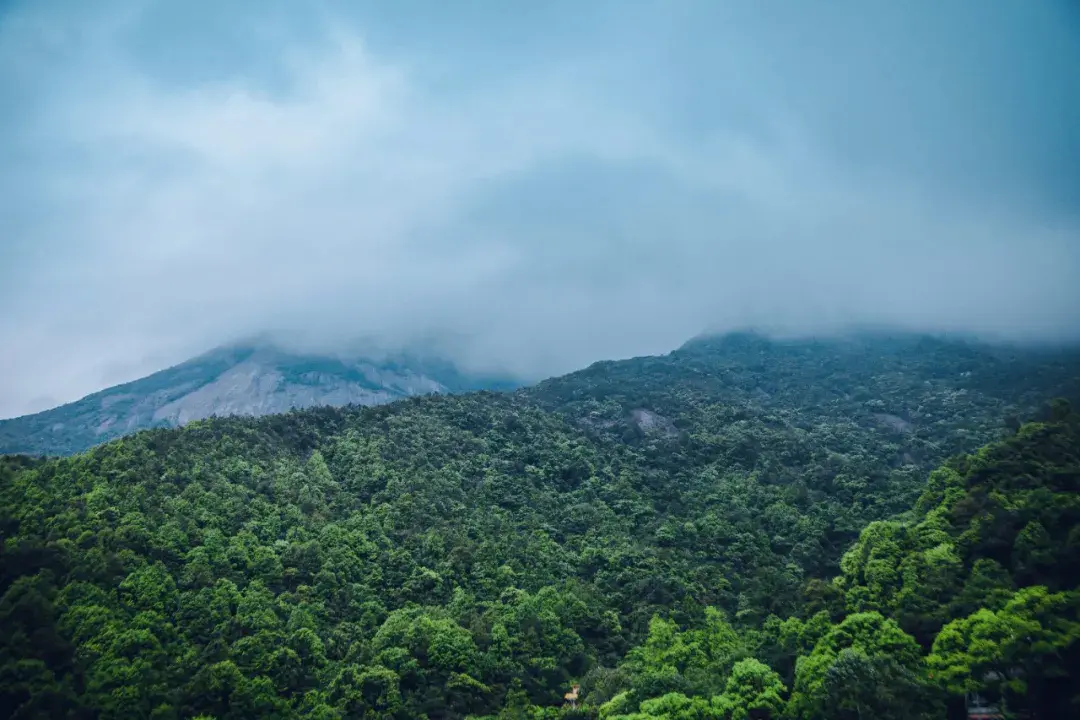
x=535 y=186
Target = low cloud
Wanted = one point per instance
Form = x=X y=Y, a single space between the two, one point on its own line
x=533 y=191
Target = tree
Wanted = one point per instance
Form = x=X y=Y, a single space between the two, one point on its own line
x=1013 y=651
x=695 y=660
x=864 y=655
x=753 y=692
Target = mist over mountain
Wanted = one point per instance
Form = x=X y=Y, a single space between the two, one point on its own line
x=552 y=187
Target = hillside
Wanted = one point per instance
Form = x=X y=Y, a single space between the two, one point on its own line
x=237 y=380
x=671 y=533
x=861 y=419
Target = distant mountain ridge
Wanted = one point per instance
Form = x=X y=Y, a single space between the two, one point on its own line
x=258 y=379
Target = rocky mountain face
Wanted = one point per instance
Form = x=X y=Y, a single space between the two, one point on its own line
x=245 y=380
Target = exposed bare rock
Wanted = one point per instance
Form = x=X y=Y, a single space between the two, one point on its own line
x=894 y=422
x=252 y=388
x=256 y=380
x=651 y=422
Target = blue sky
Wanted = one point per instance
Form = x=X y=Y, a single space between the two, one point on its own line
x=541 y=185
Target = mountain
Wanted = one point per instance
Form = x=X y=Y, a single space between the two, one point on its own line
x=741 y=528
x=237 y=380
x=917 y=398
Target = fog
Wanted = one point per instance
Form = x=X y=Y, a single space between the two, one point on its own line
x=530 y=187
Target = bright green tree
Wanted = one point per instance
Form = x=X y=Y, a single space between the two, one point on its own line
x=864 y=654
x=753 y=690
x=1012 y=651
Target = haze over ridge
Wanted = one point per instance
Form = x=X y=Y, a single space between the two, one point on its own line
x=545 y=188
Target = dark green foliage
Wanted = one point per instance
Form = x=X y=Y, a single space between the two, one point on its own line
x=667 y=532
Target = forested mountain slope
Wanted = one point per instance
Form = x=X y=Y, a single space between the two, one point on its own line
x=932 y=396
x=975 y=590
x=846 y=429
x=247 y=379
x=664 y=531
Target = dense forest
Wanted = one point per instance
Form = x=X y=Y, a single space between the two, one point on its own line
x=870 y=528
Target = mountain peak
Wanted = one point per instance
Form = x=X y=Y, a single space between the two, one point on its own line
x=254 y=377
